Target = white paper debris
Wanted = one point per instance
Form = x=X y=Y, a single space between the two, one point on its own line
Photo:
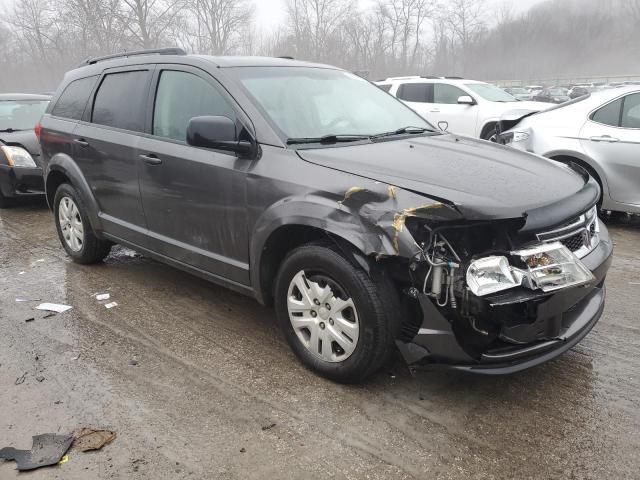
x=53 y=307
x=20 y=273
x=102 y=296
x=111 y=305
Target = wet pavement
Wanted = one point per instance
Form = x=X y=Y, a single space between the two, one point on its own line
x=197 y=383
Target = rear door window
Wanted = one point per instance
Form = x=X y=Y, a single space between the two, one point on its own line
x=416 y=92
x=631 y=111
x=73 y=100
x=182 y=96
x=121 y=99
x=609 y=114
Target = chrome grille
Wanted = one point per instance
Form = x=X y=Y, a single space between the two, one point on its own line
x=580 y=235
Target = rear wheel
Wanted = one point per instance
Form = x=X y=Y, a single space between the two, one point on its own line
x=333 y=314
x=75 y=232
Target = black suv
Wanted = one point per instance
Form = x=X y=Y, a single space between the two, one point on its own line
x=311 y=189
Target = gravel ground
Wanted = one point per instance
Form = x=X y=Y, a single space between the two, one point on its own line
x=198 y=383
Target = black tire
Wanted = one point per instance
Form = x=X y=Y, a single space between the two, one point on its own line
x=490 y=135
x=6 y=202
x=375 y=300
x=93 y=250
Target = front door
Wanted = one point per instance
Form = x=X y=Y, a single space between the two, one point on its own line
x=612 y=138
x=461 y=118
x=194 y=199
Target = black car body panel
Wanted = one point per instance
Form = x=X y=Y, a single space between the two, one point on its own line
x=228 y=218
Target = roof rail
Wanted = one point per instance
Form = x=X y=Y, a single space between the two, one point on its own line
x=155 y=51
x=286 y=57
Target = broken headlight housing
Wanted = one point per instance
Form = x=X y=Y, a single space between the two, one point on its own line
x=547 y=267
x=17 y=157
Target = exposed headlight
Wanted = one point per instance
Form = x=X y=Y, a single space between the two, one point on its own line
x=547 y=267
x=520 y=136
x=512 y=137
x=18 y=157
x=553 y=266
x=491 y=275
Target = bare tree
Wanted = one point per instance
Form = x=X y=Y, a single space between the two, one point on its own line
x=149 y=20
x=222 y=25
x=315 y=25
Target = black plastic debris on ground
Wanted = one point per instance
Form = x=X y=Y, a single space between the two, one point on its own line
x=47 y=449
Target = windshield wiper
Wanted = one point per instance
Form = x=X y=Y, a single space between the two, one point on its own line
x=400 y=131
x=327 y=139
x=11 y=130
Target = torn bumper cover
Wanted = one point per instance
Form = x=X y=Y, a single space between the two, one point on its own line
x=554 y=323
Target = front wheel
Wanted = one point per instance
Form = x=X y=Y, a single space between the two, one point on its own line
x=75 y=232
x=334 y=315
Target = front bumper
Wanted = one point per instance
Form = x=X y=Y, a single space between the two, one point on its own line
x=563 y=318
x=16 y=182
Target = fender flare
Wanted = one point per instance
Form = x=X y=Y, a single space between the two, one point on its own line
x=64 y=164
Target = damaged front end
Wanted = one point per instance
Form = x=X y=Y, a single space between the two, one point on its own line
x=496 y=297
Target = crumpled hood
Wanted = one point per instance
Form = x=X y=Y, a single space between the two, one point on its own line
x=26 y=139
x=482 y=179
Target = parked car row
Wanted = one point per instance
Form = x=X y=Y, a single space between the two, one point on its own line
x=467 y=107
x=306 y=187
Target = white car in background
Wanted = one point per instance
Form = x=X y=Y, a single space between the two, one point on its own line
x=600 y=132
x=465 y=107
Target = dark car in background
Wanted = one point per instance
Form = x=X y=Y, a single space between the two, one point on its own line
x=310 y=189
x=520 y=93
x=20 y=167
x=552 y=95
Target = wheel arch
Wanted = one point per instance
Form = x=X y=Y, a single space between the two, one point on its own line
x=287 y=236
x=63 y=169
x=486 y=128
x=584 y=161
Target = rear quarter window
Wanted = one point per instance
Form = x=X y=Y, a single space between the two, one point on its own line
x=74 y=98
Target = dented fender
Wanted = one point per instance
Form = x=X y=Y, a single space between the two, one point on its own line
x=370 y=216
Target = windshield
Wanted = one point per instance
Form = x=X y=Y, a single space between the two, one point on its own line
x=21 y=114
x=491 y=92
x=558 y=91
x=313 y=102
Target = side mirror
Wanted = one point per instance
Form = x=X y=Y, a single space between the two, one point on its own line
x=218 y=133
x=466 y=100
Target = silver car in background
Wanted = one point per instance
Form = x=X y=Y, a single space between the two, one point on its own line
x=599 y=131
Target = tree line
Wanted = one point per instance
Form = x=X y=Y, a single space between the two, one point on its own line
x=41 y=39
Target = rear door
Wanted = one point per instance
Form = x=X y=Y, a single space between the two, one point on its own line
x=194 y=198
x=611 y=136
x=419 y=97
x=106 y=149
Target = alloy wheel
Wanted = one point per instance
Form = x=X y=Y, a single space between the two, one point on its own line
x=71 y=224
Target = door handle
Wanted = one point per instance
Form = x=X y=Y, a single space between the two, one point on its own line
x=82 y=142
x=605 y=138
x=151 y=159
